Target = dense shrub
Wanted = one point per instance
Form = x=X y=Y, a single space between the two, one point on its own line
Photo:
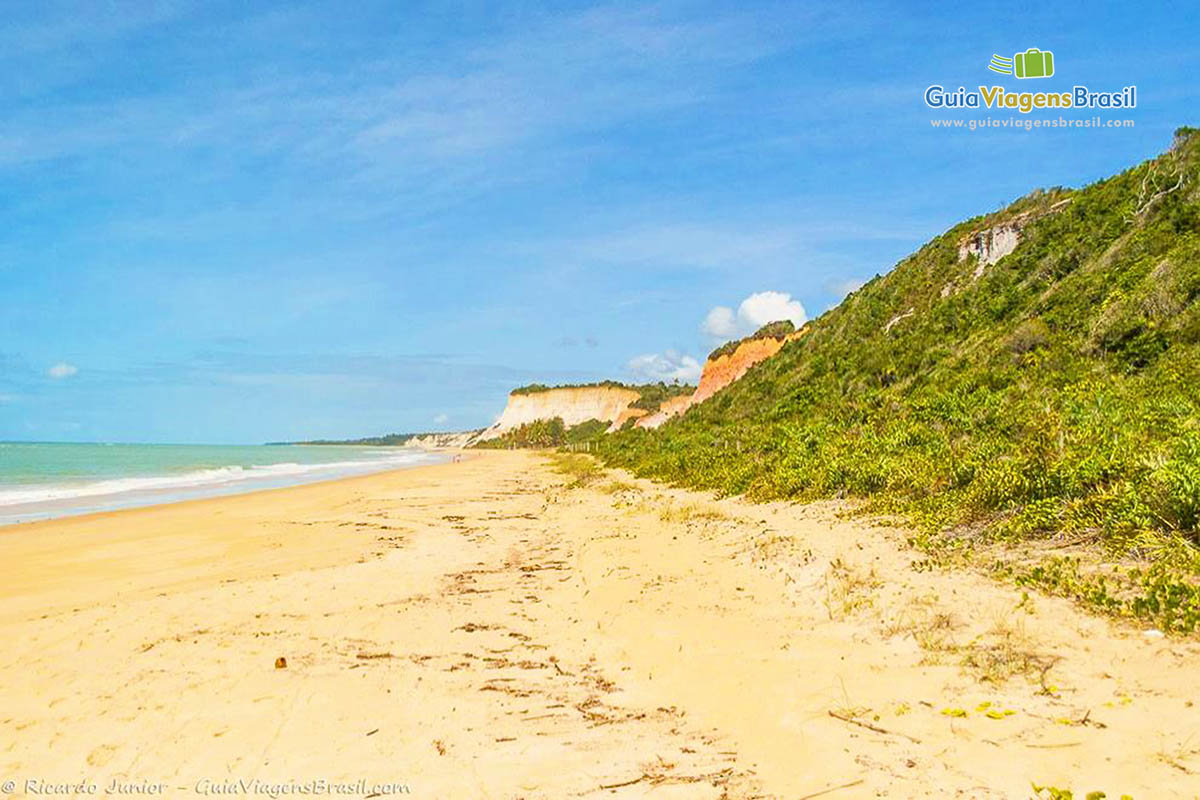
x=540 y=433
x=544 y=433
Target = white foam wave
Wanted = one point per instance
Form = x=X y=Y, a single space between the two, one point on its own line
x=200 y=479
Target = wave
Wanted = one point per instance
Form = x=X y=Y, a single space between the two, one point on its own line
x=214 y=477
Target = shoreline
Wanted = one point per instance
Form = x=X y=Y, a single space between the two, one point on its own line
x=86 y=503
x=137 y=528
x=494 y=628
x=11 y=527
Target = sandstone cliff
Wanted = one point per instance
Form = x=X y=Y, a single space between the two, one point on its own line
x=719 y=372
x=573 y=405
x=724 y=370
x=614 y=403
x=437 y=441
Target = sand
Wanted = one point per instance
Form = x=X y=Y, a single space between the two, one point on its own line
x=484 y=629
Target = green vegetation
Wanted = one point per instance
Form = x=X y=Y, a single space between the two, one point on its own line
x=538 y=388
x=654 y=395
x=581 y=469
x=1055 y=396
x=585 y=431
x=772 y=330
x=540 y=433
x=1054 y=793
x=543 y=433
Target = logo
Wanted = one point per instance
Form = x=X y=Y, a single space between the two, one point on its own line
x=1033 y=63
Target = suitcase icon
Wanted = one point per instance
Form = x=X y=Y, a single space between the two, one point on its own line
x=1033 y=63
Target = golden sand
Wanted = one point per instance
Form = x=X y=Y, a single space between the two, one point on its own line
x=483 y=630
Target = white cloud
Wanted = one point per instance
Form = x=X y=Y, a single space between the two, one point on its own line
x=762 y=307
x=668 y=366
x=62 y=370
x=720 y=323
x=441 y=419
x=755 y=311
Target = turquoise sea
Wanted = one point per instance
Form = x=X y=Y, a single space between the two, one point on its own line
x=42 y=480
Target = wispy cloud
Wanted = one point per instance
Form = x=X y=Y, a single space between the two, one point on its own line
x=332 y=372
x=696 y=245
x=60 y=26
x=573 y=341
x=775 y=237
x=62 y=370
x=486 y=112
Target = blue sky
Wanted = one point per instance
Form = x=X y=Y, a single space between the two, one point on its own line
x=238 y=222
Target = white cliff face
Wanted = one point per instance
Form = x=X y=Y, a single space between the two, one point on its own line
x=437 y=441
x=573 y=404
x=990 y=245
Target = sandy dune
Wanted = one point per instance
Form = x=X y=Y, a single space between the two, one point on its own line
x=485 y=630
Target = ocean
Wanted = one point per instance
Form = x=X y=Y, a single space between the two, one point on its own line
x=44 y=480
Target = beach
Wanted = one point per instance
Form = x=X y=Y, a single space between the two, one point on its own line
x=498 y=628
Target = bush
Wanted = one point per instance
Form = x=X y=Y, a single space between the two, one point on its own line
x=1029 y=336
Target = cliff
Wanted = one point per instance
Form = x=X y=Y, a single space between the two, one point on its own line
x=651 y=404
x=722 y=368
x=437 y=441
x=671 y=408
x=426 y=441
x=989 y=245
x=576 y=404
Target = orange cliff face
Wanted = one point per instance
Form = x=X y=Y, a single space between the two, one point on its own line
x=724 y=370
x=718 y=373
x=574 y=405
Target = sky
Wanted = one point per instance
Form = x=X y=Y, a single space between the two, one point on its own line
x=240 y=222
